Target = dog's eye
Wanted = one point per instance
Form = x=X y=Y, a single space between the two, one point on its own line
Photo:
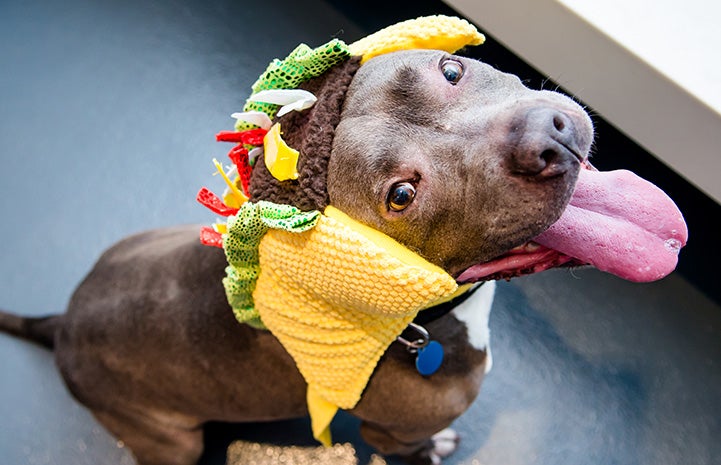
x=400 y=196
x=452 y=70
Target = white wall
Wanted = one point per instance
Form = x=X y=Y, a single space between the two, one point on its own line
x=651 y=68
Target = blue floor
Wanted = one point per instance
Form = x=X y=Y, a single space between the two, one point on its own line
x=108 y=112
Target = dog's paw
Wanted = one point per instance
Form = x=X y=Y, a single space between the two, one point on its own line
x=445 y=443
x=439 y=446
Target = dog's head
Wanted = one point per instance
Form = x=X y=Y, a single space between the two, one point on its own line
x=453 y=158
x=464 y=164
x=467 y=167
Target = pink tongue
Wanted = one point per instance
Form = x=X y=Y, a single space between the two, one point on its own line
x=621 y=224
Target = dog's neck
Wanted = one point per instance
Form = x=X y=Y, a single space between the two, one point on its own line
x=436 y=312
x=429 y=353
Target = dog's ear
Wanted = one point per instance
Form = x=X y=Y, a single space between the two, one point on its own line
x=310 y=132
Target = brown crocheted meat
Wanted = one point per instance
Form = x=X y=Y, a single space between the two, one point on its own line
x=310 y=132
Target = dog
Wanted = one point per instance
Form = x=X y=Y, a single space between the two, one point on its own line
x=450 y=157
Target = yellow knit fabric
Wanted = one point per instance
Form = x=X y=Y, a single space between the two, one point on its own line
x=336 y=297
x=439 y=32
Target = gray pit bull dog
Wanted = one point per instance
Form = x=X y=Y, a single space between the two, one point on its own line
x=453 y=159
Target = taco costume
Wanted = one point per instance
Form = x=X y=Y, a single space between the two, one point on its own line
x=335 y=292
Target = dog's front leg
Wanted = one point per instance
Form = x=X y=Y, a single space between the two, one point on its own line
x=406 y=414
x=416 y=448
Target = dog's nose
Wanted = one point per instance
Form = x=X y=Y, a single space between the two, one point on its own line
x=543 y=142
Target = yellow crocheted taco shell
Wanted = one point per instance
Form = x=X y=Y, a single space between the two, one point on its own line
x=439 y=32
x=336 y=297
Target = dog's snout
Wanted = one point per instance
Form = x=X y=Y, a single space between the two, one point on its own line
x=543 y=142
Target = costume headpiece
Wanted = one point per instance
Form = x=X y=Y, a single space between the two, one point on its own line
x=334 y=292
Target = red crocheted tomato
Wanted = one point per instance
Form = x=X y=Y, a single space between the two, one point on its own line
x=209 y=236
x=213 y=202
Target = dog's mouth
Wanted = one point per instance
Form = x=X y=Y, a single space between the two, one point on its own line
x=528 y=258
x=615 y=221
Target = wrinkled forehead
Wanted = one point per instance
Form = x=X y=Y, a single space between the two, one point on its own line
x=382 y=66
x=390 y=73
x=387 y=66
x=415 y=58
x=400 y=78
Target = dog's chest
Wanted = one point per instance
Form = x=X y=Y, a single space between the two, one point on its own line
x=474 y=313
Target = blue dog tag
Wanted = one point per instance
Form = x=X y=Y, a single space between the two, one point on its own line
x=429 y=358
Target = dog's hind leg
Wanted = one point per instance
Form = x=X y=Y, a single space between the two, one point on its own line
x=153 y=441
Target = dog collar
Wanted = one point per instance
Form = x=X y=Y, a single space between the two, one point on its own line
x=438 y=311
x=428 y=352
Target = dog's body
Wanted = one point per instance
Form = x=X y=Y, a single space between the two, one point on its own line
x=150 y=344
x=153 y=374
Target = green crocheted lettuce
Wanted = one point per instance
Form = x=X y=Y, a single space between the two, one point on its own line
x=245 y=230
x=302 y=64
